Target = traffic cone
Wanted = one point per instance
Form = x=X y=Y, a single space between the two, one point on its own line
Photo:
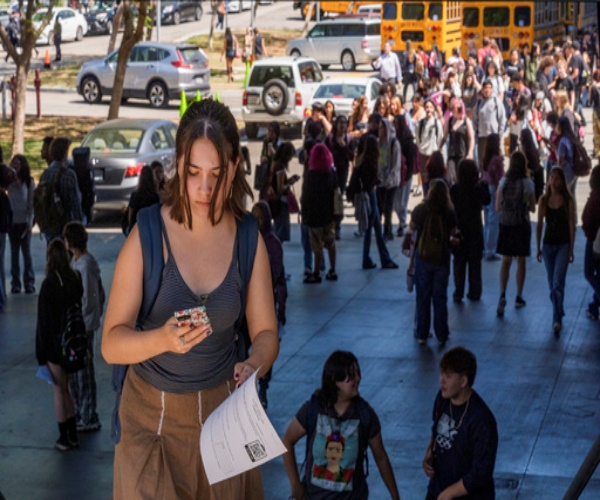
x=247 y=74
x=198 y=96
x=47 y=64
x=183 y=104
x=217 y=97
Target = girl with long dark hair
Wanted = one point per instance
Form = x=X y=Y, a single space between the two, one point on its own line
x=408 y=149
x=557 y=209
x=337 y=443
x=515 y=198
x=566 y=151
x=590 y=222
x=60 y=290
x=435 y=221
x=20 y=194
x=469 y=196
x=531 y=151
x=230 y=50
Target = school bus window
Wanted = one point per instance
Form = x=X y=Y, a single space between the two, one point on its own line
x=390 y=11
x=414 y=36
x=413 y=12
x=436 y=11
x=522 y=16
x=470 y=17
x=496 y=16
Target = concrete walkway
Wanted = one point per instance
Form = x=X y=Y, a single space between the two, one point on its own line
x=544 y=391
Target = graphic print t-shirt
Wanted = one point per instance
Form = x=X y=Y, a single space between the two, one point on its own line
x=337 y=472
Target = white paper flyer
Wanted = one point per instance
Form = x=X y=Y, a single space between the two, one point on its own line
x=238 y=435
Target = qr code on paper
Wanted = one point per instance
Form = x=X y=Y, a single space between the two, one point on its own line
x=256 y=451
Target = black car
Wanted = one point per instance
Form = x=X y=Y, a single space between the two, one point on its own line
x=100 y=18
x=175 y=11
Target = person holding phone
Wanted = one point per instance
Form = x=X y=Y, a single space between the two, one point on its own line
x=180 y=374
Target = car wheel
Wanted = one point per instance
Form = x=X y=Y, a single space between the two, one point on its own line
x=176 y=17
x=199 y=13
x=275 y=96
x=251 y=130
x=348 y=62
x=90 y=89
x=79 y=34
x=109 y=27
x=158 y=95
x=295 y=53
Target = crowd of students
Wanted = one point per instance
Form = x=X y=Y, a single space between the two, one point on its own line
x=466 y=116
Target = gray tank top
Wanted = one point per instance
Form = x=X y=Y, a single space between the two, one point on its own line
x=210 y=362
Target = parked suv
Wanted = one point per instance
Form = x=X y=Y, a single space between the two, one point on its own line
x=346 y=40
x=155 y=71
x=279 y=89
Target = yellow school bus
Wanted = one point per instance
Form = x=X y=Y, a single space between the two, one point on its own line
x=587 y=16
x=425 y=23
x=512 y=24
x=331 y=7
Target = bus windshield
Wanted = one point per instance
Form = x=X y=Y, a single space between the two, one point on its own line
x=413 y=12
x=496 y=16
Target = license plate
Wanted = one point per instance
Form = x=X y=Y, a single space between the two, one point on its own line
x=98 y=175
x=253 y=99
x=199 y=79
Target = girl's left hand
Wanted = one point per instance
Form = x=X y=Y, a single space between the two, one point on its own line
x=242 y=372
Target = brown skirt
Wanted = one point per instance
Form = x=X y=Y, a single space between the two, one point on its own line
x=158 y=456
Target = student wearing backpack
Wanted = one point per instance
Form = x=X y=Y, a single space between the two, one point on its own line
x=435 y=221
x=515 y=198
x=180 y=374
x=60 y=290
x=389 y=173
x=339 y=426
x=566 y=150
x=82 y=384
x=62 y=181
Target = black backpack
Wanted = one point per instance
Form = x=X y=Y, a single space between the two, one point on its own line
x=582 y=164
x=74 y=340
x=48 y=208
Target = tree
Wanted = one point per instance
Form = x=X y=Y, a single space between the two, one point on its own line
x=309 y=11
x=130 y=38
x=28 y=37
x=116 y=23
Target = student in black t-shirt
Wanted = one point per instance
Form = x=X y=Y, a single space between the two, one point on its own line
x=461 y=455
x=563 y=82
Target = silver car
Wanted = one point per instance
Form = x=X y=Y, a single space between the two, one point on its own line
x=343 y=91
x=345 y=40
x=155 y=71
x=119 y=149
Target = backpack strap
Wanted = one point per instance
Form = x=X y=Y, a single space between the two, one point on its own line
x=247 y=244
x=311 y=425
x=150 y=230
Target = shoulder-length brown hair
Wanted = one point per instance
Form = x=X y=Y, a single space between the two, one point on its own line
x=207 y=119
x=57 y=259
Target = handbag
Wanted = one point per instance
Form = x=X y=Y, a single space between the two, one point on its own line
x=338 y=202
x=292 y=202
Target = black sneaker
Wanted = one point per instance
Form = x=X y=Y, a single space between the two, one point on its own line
x=501 y=306
x=62 y=445
x=519 y=302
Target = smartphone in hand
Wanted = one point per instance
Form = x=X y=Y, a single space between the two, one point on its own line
x=195 y=316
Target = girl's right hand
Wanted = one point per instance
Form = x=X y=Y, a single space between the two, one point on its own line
x=182 y=339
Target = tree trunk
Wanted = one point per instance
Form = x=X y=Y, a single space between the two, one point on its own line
x=311 y=7
x=130 y=38
x=23 y=63
x=116 y=23
x=150 y=21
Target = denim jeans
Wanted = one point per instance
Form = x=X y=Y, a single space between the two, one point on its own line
x=305 y=240
x=591 y=269
x=374 y=224
x=401 y=201
x=20 y=241
x=556 y=260
x=491 y=226
x=431 y=282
